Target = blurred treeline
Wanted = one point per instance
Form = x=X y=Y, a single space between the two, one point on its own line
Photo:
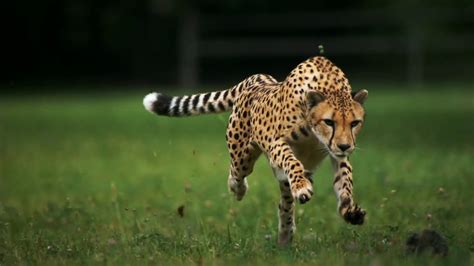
x=128 y=41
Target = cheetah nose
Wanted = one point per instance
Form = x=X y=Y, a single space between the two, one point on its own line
x=343 y=147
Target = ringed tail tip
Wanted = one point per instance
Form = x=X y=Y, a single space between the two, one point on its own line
x=149 y=102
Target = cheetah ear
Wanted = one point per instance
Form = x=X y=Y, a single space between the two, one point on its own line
x=360 y=96
x=313 y=98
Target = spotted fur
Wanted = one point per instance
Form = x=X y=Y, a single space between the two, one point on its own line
x=296 y=123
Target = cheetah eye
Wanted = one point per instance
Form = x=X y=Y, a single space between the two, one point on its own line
x=355 y=123
x=329 y=122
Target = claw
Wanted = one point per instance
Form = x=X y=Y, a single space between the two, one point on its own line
x=303 y=199
x=355 y=216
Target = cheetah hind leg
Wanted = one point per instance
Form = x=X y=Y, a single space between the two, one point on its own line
x=240 y=168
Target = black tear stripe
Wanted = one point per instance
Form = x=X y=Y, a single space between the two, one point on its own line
x=332 y=136
x=195 y=101
x=186 y=106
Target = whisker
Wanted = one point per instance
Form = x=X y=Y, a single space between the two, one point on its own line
x=358 y=148
x=324 y=149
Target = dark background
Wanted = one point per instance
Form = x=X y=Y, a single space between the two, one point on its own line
x=190 y=43
x=88 y=176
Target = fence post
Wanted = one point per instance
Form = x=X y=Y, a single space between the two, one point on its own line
x=188 y=49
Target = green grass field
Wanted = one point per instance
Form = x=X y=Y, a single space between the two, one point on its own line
x=96 y=179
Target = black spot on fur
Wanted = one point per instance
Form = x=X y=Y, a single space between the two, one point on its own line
x=345 y=203
x=211 y=108
x=221 y=106
x=344 y=165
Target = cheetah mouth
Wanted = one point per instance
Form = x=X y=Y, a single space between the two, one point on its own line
x=340 y=155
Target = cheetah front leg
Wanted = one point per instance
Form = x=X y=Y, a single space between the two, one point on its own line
x=283 y=159
x=350 y=211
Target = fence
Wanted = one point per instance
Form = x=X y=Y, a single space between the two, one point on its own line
x=409 y=34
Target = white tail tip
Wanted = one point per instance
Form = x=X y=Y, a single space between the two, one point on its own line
x=149 y=101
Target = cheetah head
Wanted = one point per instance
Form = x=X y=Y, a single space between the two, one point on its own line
x=336 y=121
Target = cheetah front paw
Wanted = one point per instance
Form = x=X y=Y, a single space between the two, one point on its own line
x=239 y=188
x=303 y=191
x=355 y=215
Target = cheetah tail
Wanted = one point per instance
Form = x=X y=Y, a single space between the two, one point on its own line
x=196 y=104
x=203 y=103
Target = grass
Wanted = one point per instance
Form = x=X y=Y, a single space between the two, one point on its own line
x=91 y=179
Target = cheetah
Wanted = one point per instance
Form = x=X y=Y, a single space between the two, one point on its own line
x=296 y=123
